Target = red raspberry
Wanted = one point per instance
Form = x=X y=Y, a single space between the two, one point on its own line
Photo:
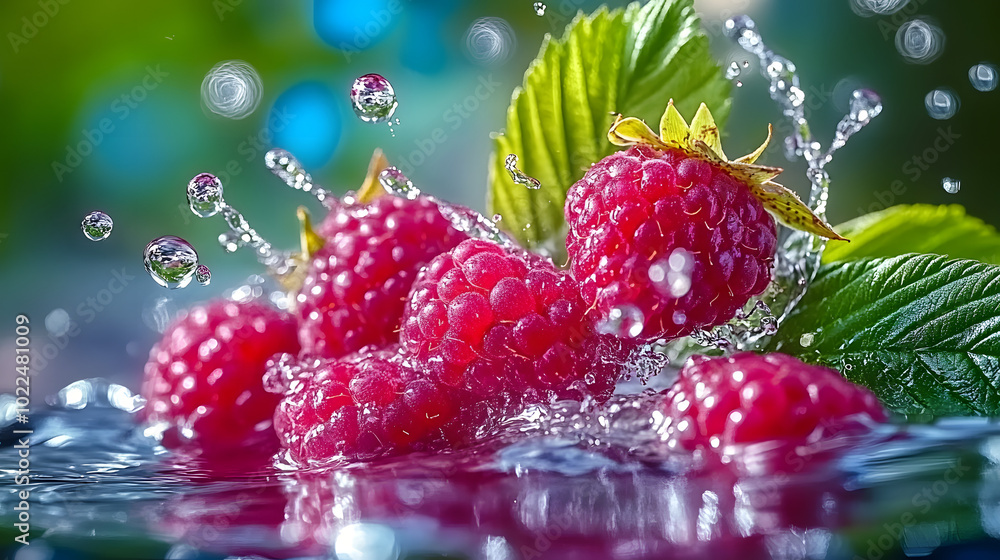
x=503 y=324
x=203 y=379
x=677 y=237
x=373 y=402
x=750 y=398
x=354 y=292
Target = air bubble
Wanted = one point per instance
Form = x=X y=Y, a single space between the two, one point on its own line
x=919 y=41
x=519 y=176
x=170 y=261
x=539 y=8
x=97 y=226
x=941 y=104
x=204 y=194
x=951 y=186
x=983 y=77
x=232 y=89
x=490 y=41
x=373 y=98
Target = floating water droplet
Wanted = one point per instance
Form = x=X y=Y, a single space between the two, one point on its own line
x=624 y=320
x=229 y=241
x=232 y=89
x=204 y=194
x=97 y=226
x=732 y=71
x=170 y=261
x=951 y=186
x=739 y=83
x=203 y=275
x=373 y=98
x=919 y=41
x=983 y=77
x=806 y=339
x=746 y=64
x=519 y=176
x=539 y=8
x=497 y=217
x=490 y=41
x=57 y=322
x=397 y=184
x=941 y=103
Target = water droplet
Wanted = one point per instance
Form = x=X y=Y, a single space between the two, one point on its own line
x=519 y=176
x=232 y=89
x=204 y=194
x=497 y=217
x=625 y=321
x=983 y=77
x=170 y=261
x=539 y=8
x=806 y=339
x=919 y=42
x=732 y=71
x=229 y=241
x=203 y=275
x=739 y=83
x=746 y=64
x=951 y=186
x=287 y=167
x=57 y=322
x=490 y=41
x=672 y=275
x=865 y=106
x=97 y=226
x=941 y=103
x=397 y=184
x=373 y=98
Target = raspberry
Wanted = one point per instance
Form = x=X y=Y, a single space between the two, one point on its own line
x=750 y=398
x=501 y=324
x=370 y=403
x=354 y=292
x=203 y=379
x=677 y=237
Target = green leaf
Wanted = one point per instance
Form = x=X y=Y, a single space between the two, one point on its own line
x=918 y=228
x=629 y=61
x=921 y=331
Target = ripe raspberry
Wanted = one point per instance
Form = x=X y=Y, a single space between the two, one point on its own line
x=749 y=398
x=680 y=239
x=373 y=402
x=354 y=292
x=674 y=228
x=203 y=379
x=503 y=324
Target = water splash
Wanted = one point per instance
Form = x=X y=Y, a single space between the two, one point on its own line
x=170 y=261
x=373 y=98
x=798 y=256
x=519 y=176
x=464 y=219
x=539 y=8
x=983 y=77
x=97 y=226
x=951 y=186
x=229 y=241
x=287 y=167
x=941 y=103
x=205 y=195
x=232 y=89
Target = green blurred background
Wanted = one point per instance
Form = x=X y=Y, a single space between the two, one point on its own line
x=68 y=65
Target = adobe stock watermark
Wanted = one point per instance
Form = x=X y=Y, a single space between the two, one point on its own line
x=454 y=117
x=225 y=7
x=888 y=25
x=33 y=23
x=44 y=351
x=365 y=34
x=923 y=501
x=122 y=106
x=914 y=168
